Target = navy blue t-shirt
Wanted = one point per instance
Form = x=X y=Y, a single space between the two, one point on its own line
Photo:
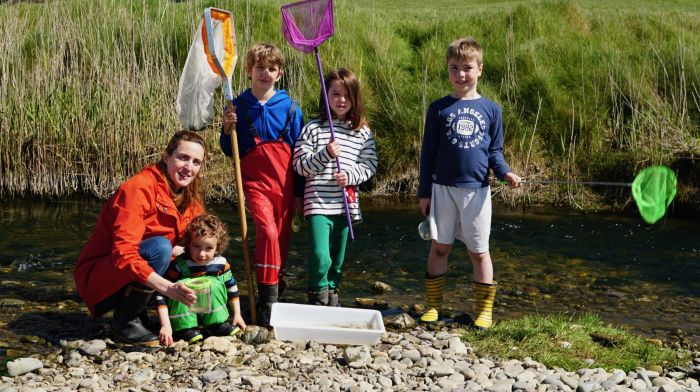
x=463 y=138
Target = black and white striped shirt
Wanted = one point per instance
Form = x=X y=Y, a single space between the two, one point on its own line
x=358 y=158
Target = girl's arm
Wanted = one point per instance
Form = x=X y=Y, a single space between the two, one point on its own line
x=366 y=165
x=307 y=161
x=166 y=330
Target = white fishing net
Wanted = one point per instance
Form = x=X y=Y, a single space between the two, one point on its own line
x=199 y=79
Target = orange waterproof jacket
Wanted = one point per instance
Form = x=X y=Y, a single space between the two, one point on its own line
x=141 y=208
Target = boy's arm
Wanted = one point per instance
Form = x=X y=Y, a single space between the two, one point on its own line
x=496 y=160
x=166 y=331
x=235 y=306
x=232 y=293
x=366 y=165
x=224 y=137
x=427 y=154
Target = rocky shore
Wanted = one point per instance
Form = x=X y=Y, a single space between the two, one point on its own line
x=411 y=360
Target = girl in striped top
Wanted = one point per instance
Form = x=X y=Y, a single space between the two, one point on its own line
x=315 y=158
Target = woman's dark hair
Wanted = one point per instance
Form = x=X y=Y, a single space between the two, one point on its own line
x=193 y=193
x=356 y=115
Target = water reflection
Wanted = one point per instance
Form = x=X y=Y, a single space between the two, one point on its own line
x=643 y=277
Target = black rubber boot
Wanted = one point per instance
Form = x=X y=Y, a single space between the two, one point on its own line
x=223 y=329
x=334 y=298
x=126 y=323
x=318 y=297
x=267 y=295
x=151 y=324
x=282 y=284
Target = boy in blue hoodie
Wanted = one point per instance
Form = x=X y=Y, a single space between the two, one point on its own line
x=268 y=123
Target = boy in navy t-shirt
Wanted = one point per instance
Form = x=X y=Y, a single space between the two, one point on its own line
x=463 y=139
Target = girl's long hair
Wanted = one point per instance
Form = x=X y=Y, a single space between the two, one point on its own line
x=356 y=115
x=193 y=193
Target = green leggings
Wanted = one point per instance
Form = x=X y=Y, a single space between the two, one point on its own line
x=329 y=236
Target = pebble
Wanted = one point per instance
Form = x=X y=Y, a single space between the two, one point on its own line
x=23 y=365
x=404 y=361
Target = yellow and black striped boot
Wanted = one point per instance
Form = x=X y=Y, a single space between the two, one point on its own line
x=433 y=292
x=485 y=297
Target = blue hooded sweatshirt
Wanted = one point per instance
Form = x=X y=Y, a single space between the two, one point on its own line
x=267 y=120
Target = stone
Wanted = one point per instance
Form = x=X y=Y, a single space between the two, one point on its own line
x=11 y=302
x=142 y=376
x=372 y=303
x=400 y=321
x=588 y=386
x=458 y=346
x=213 y=376
x=359 y=354
x=219 y=344
x=21 y=366
x=380 y=287
x=500 y=386
x=93 y=347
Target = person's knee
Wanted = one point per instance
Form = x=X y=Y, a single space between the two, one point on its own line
x=157 y=251
x=441 y=250
x=479 y=258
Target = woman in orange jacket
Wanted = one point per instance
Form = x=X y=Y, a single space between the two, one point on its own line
x=135 y=238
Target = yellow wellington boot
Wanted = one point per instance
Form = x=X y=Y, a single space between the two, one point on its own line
x=485 y=297
x=433 y=292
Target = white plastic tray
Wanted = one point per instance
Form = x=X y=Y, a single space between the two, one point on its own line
x=328 y=325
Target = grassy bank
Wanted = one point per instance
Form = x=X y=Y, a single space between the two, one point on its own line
x=589 y=92
x=573 y=343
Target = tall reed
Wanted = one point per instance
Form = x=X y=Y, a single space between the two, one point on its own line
x=87 y=88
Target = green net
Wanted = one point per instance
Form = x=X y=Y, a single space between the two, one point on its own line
x=653 y=190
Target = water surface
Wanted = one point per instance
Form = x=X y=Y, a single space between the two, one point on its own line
x=643 y=277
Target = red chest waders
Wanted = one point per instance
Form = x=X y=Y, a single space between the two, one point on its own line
x=268 y=183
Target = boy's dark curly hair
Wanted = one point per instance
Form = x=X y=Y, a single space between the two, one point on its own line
x=207 y=225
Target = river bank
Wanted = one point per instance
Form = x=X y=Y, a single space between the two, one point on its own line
x=414 y=360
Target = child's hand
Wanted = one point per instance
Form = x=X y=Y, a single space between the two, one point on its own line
x=424 y=204
x=333 y=148
x=513 y=180
x=178 y=250
x=166 y=335
x=230 y=118
x=342 y=179
x=238 y=320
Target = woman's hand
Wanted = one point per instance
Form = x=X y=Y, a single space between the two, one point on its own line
x=230 y=118
x=179 y=292
x=166 y=335
x=333 y=149
x=342 y=179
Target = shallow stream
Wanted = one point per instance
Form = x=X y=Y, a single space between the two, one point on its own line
x=645 y=278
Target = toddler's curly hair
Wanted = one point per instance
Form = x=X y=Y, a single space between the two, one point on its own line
x=207 y=225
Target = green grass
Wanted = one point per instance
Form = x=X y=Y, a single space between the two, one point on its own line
x=566 y=342
x=589 y=91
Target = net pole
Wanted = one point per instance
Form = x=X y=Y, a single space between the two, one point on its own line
x=228 y=95
x=330 y=126
x=564 y=182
